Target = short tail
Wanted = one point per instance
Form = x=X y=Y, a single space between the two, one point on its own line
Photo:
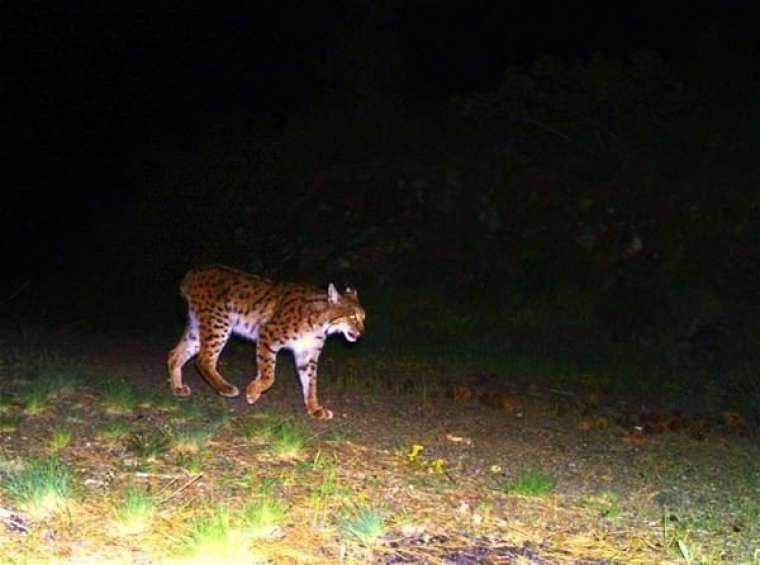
x=184 y=284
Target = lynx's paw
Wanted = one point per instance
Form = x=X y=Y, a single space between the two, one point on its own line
x=252 y=394
x=181 y=391
x=230 y=391
x=321 y=414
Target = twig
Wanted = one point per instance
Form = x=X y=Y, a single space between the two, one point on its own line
x=167 y=486
x=144 y=475
x=562 y=392
x=546 y=128
x=195 y=479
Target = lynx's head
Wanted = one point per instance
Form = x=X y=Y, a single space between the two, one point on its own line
x=346 y=314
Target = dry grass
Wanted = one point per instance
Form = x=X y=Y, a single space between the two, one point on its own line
x=422 y=478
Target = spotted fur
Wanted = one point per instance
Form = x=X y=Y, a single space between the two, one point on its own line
x=223 y=301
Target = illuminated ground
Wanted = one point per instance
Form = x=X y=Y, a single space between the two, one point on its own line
x=416 y=467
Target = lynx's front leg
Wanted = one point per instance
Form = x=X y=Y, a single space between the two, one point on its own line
x=306 y=363
x=266 y=359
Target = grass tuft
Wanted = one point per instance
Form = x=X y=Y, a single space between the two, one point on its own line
x=10 y=422
x=41 y=488
x=160 y=401
x=532 y=482
x=120 y=397
x=148 y=444
x=190 y=462
x=364 y=523
x=136 y=510
x=37 y=401
x=190 y=441
x=115 y=430
x=263 y=517
x=6 y=402
x=49 y=374
x=286 y=437
x=59 y=439
x=186 y=409
x=215 y=538
x=607 y=504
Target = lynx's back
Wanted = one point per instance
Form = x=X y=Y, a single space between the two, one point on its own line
x=246 y=302
x=222 y=301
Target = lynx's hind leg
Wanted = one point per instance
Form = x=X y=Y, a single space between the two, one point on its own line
x=186 y=349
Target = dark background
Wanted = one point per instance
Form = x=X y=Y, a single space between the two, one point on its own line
x=376 y=142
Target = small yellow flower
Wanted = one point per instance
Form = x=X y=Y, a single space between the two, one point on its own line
x=495 y=469
x=437 y=466
x=362 y=497
x=414 y=451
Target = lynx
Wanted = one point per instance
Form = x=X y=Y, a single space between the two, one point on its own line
x=223 y=301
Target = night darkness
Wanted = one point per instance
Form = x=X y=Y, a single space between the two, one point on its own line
x=531 y=195
x=87 y=93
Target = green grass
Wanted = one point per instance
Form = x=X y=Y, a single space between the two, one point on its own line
x=6 y=402
x=324 y=495
x=680 y=538
x=432 y=481
x=217 y=415
x=119 y=397
x=319 y=462
x=218 y=537
x=148 y=444
x=161 y=401
x=10 y=422
x=532 y=482
x=286 y=437
x=337 y=435
x=37 y=401
x=607 y=504
x=327 y=487
x=191 y=440
x=59 y=439
x=363 y=523
x=42 y=488
x=61 y=379
x=210 y=531
x=187 y=409
x=263 y=517
x=267 y=485
x=48 y=372
x=47 y=378
x=136 y=511
x=115 y=430
x=190 y=462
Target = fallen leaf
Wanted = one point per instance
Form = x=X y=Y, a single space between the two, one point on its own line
x=459 y=439
x=635 y=438
x=731 y=419
x=585 y=424
x=462 y=393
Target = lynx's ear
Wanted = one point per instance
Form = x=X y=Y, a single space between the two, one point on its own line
x=333 y=296
x=351 y=292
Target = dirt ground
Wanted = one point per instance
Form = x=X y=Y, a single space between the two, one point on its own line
x=626 y=492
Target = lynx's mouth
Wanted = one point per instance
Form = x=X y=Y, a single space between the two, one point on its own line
x=351 y=336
